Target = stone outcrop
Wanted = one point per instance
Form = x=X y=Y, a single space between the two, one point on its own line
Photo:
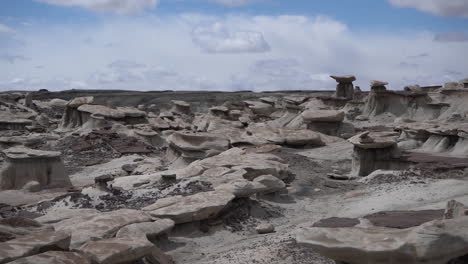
x=117 y=250
x=82 y=110
x=26 y=165
x=99 y=226
x=374 y=151
x=345 y=87
x=54 y=257
x=435 y=242
x=192 y=208
x=329 y=122
x=32 y=244
x=185 y=148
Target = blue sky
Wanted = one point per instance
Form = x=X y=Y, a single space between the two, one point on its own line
x=229 y=44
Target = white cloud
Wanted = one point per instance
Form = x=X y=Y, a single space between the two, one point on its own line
x=112 y=6
x=159 y=53
x=455 y=8
x=4 y=29
x=217 y=38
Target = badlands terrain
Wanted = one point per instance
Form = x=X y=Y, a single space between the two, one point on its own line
x=289 y=177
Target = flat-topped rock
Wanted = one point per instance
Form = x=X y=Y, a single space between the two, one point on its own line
x=101 y=110
x=54 y=257
x=323 y=116
x=197 y=146
x=95 y=227
x=180 y=103
x=374 y=140
x=435 y=242
x=25 y=166
x=452 y=85
x=148 y=230
x=344 y=78
x=191 y=208
x=117 y=250
x=131 y=112
x=27 y=153
x=375 y=84
x=260 y=108
x=220 y=108
x=33 y=244
x=79 y=101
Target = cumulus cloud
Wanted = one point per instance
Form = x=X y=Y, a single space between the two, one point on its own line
x=217 y=38
x=451 y=37
x=160 y=53
x=112 y=6
x=454 y=8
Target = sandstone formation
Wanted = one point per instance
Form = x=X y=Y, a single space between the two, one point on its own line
x=26 y=165
x=345 y=87
x=164 y=177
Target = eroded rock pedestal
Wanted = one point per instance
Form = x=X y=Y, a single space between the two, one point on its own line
x=345 y=87
x=374 y=151
x=28 y=166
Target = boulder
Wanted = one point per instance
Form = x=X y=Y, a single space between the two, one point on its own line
x=243 y=188
x=323 y=116
x=118 y=250
x=271 y=183
x=100 y=226
x=54 y=257
x=435 y=242
x=265 y=228
x=454 y=209
x=32 y=244
x=25 y=165
x=192 y=208
x=303 y=137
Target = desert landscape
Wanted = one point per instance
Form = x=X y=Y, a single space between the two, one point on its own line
x=344 y=176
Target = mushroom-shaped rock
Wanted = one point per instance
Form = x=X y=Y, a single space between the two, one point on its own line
x=219 y=111
x=191 y=147
x=259 y=108
x=192 y=208
x=378 y=85
x=373 y=151
x=435 y=242
x=25 y=165
x=72 y=117
x=345 y=87
x=181 y=108
x=79 y=101
x=464 y=83
x=324 y=121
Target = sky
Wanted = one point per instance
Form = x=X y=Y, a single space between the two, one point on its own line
x=230 y=45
